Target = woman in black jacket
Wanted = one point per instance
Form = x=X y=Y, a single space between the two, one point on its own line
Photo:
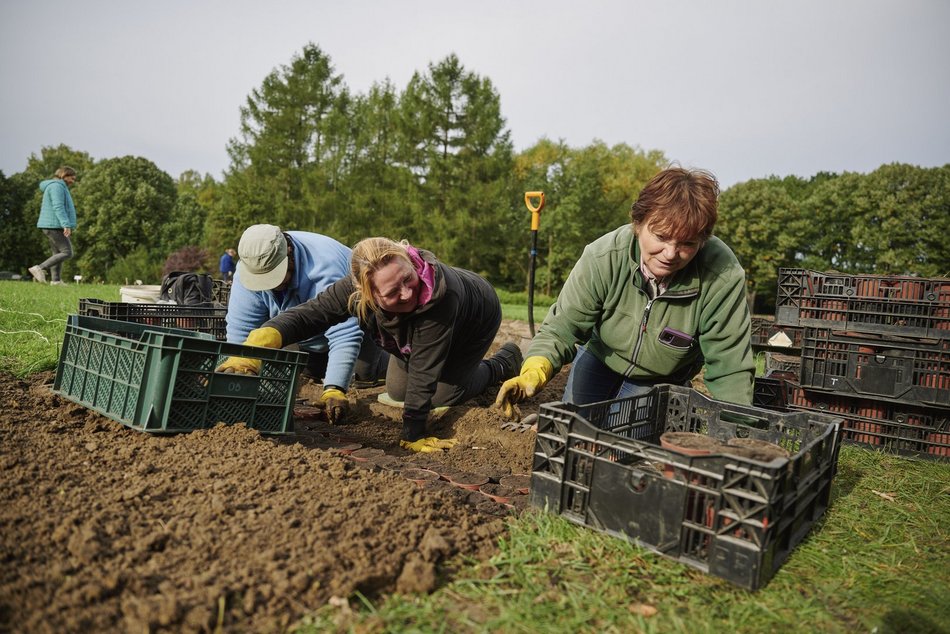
x=436 y=321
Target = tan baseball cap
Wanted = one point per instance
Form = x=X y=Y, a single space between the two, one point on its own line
x=263 y=257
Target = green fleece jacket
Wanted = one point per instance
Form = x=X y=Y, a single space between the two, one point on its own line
x=603 y=306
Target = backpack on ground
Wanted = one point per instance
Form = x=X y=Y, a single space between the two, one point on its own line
x=187 y=288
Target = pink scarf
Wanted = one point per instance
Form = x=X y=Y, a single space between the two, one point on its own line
x=426 y=274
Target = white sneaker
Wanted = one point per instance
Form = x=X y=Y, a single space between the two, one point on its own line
x=57 y=283
x=38 y=274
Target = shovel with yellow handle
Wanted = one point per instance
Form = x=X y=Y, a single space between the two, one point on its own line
x=534 y=201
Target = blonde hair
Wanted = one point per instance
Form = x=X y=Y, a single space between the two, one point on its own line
x=64 y=171
x=370 y=255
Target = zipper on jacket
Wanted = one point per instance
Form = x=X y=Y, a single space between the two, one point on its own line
x=643 y=330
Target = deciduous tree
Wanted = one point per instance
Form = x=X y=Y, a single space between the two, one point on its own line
x=126 y=202
x=902 y=222
x=19 y=237
x=759 y=220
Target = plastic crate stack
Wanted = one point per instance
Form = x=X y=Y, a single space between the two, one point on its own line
x=209 y=320
x=220 y=293
x=875 y=351
x=781 y=345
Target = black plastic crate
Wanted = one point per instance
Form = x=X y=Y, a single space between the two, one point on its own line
x=163 y=380
x=209 y=320
x=911 y=430
x=786 y=365
x=767 y=335
x=770 y=392
x=220 y=292
x=901 y=369
x=896 y=305
x=602 y=466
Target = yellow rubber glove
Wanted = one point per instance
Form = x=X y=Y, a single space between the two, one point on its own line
x=428 y=445
x=266 y=337
x=260 y=337
x=535 y=373
x=334 y=400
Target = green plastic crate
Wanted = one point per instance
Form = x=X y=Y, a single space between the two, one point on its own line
x=162 y=380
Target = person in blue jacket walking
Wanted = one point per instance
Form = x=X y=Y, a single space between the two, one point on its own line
x=227 y=265
x=57 y=221
x=278 y=270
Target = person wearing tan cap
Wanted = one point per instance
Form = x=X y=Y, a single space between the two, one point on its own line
x=278 y=270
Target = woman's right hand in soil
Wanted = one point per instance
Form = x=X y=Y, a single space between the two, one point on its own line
x=535 y=373
x=261 y=337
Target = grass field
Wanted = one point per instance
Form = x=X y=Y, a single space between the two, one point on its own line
x=879 y=560
x=33 y=322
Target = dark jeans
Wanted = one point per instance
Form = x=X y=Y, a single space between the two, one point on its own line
x=62 y=249
x=590 y=381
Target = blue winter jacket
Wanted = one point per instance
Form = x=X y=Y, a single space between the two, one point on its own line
x=58 y=210
x=318 y=262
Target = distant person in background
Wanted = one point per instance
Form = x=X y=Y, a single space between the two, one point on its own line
x=57 y=221
x=650 y=302
x=278 y=270
x=228 y=265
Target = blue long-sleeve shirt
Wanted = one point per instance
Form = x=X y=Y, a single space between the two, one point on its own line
x=318 y=262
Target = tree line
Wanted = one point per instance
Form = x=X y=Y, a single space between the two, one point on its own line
x=433 y=163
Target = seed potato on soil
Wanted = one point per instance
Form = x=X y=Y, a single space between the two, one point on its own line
x=103 y=528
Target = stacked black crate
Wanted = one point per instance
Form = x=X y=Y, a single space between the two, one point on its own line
x=876 y=351
x=780 y=349
x=220 y=293
x=203 y=319
x=781 y=346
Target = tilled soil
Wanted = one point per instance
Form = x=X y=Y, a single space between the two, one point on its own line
x=103 y=528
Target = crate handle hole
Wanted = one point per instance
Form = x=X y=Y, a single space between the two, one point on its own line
x=638 y=481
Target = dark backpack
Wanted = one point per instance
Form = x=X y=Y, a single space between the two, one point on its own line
x=186 y=288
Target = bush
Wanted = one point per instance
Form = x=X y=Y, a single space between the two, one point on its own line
x=192 y=259
x=138 y=265
x=509 y=297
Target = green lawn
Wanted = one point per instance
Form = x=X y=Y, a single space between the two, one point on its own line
x=877 y=562
x=33 y=321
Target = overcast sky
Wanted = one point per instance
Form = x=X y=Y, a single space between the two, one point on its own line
x=746 y=89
